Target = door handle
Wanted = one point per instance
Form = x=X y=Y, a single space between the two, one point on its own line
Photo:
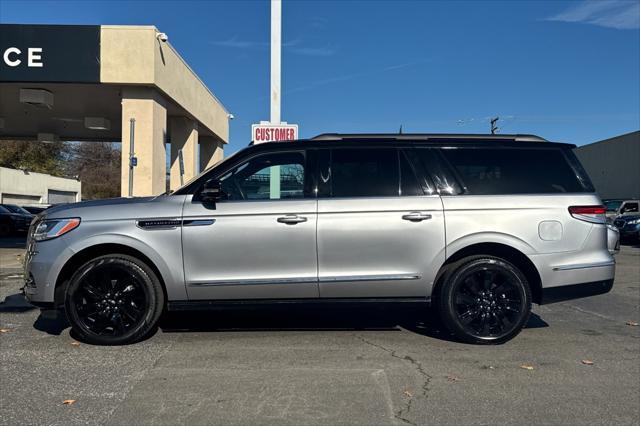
x=292 y=219
x=416 y=216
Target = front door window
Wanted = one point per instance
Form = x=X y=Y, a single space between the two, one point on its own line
x=274 y=176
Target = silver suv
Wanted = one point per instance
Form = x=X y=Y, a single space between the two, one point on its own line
x=478 y=226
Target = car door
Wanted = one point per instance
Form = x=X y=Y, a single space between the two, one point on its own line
x=260 y=241
x=379 y=233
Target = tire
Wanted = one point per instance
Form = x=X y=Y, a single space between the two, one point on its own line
x=484 y=300
x=114 y=300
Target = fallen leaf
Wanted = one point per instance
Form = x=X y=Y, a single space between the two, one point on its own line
x=527 y=367
x=453 y=378
x=75 y=343
x=407 y=393
x=632 y=323
x=69 y=401
x=4 y=330
x=587 y=362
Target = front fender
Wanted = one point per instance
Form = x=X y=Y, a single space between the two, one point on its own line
x=172 y=273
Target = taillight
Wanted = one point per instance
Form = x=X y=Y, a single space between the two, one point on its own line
x=593 y=214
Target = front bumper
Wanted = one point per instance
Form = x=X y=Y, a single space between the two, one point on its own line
x=630 y=231
x=43 y=262
x=626 y=229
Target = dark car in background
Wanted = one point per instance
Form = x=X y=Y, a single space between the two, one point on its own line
x=619 y=207
x=13 y=219
x=629 y=226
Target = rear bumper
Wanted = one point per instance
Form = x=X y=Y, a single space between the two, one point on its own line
x=575 y=291
x=573 y=275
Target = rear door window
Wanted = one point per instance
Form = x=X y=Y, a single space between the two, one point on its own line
x=489 y=171
x=409 y=185
x=365 y=172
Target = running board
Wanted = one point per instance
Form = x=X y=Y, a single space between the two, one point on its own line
x=203 y=305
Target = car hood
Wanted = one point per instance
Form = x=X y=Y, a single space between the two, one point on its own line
x=18 y=216
x=119 y=208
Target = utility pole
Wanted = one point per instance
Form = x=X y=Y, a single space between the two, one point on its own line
x=494 y=127
x=276 y=33
x=133 y=161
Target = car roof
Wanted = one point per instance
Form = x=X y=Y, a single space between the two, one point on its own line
x=390 y=139
x=417 y=139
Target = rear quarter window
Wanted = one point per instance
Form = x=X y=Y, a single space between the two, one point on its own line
x=492 y=171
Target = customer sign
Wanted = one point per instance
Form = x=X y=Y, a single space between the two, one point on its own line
x=265 y=132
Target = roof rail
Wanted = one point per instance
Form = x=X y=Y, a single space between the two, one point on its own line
x=424 y=137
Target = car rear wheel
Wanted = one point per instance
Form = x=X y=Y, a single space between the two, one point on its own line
x=484 y=300
x=113 y=300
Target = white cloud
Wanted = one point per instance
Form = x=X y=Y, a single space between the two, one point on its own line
x=294 y=46
x=618 y=14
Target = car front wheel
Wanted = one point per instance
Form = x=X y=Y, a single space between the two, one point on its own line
x=484 y=300
x=114 y=299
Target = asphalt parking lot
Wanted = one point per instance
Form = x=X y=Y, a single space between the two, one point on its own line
x=577 y=362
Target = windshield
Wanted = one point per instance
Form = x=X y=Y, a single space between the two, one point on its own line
x=612 y=205
x=3 y=210
x=15 y=209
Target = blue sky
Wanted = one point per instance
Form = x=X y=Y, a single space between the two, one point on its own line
x=568 y=71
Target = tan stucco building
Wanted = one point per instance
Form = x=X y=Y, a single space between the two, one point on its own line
x=88 y=82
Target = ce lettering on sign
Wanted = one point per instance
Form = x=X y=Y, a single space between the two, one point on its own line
x=12 y=57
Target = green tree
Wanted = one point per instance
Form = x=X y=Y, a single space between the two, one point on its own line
x=34 y=156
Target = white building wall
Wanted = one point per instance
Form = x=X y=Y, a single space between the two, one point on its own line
x=29 y=184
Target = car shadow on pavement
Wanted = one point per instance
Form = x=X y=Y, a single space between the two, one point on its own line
x=51 y=321
x=279 y=318
x=16 y=303
x=316 y=318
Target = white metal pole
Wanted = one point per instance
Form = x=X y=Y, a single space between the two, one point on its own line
x=276 y=32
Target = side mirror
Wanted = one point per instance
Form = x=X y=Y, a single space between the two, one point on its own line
x=212 y=191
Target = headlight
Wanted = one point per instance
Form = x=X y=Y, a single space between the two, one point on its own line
x=633 y=222
x=52 y=228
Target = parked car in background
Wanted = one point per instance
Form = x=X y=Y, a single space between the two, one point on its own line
x=479 y=226
x=35 y=209
x=13 y=220
x=618 y=207
x=629 y=226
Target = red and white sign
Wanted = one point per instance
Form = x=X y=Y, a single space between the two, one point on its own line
x=261 y=133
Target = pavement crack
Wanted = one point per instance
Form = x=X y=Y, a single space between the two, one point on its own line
x=403 y=413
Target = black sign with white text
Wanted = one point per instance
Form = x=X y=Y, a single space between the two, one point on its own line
x=50 y=53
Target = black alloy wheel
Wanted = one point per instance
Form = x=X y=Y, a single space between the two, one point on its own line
x=114 y=299
x=485 y=300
